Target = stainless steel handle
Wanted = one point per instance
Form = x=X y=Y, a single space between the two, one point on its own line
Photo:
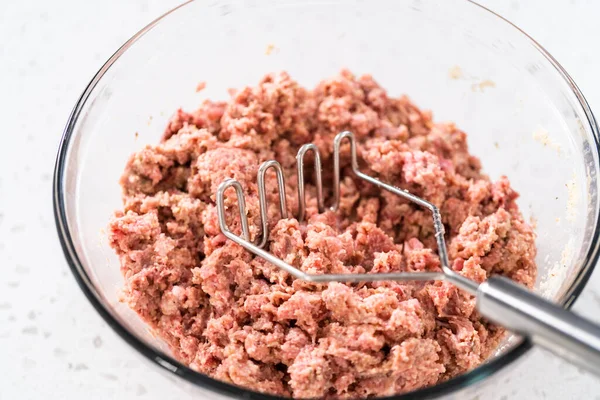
x=560 y=331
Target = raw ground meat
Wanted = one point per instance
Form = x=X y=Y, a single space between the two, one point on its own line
x=235 y=317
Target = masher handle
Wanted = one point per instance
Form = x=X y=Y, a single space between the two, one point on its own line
x=560 y=331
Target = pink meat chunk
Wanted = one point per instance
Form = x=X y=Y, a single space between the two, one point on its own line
x=239 y=319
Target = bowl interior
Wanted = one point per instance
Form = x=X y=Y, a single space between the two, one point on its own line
x=523 y=117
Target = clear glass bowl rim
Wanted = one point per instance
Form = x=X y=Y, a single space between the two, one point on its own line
x=173 y=366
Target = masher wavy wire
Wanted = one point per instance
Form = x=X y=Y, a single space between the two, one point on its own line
x=257 y=248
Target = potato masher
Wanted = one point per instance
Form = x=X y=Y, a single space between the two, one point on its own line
x=498 y=298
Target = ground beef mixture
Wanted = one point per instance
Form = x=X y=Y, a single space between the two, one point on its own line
x=235 y=317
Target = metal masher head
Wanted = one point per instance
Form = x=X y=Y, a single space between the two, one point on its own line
x=257 y=248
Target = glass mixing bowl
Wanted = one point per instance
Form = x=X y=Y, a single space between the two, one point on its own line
x=525 y=116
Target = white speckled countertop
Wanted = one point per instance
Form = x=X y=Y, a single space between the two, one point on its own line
x=53 y=345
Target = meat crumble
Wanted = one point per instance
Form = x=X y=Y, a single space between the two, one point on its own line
x=239 y=319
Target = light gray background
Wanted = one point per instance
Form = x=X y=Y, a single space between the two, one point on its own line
x=53 y=345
